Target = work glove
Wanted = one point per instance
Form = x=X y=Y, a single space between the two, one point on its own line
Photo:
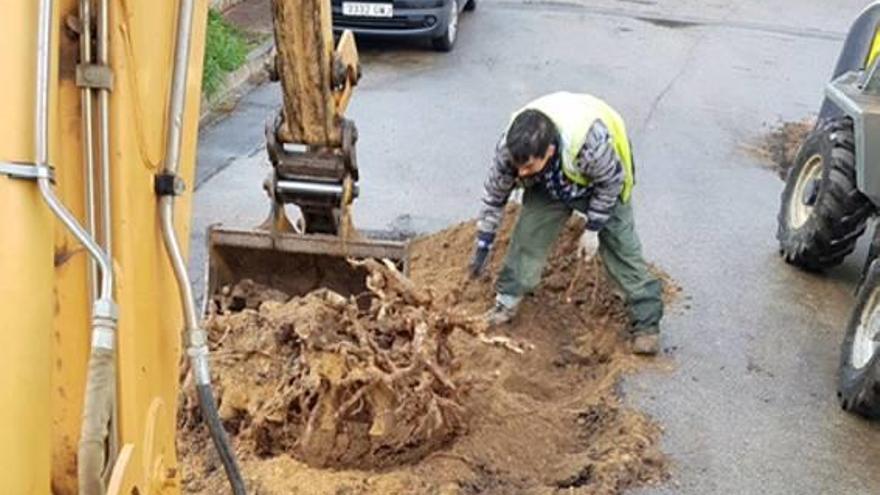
x=481 y=253
x=588 y=244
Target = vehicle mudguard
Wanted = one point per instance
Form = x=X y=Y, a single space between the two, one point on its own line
x=854 y=55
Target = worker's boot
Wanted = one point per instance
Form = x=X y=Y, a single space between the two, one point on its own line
x=646 y=341
x=503 y=312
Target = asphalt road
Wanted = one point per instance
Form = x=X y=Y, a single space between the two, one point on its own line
x=749 y=407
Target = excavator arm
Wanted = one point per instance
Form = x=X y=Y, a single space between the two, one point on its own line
x=311 y=146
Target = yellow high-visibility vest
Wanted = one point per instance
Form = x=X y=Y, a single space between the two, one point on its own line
x=573 y=114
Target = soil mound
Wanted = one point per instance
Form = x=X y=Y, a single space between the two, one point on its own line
x=401 y=391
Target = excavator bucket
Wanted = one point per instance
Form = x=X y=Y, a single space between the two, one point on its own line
x=293 y=263
x=311 y=147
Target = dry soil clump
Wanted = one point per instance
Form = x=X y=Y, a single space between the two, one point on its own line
x=403 y=391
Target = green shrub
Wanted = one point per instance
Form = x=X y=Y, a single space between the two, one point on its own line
x=226 y=49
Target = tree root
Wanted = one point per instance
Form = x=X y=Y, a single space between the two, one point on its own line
x=352 y=387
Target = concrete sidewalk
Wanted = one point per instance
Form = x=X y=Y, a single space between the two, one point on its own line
x=253 y=19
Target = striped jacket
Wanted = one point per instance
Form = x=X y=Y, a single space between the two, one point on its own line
x=597 y=160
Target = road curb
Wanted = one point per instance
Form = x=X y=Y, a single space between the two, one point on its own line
x=254 y=71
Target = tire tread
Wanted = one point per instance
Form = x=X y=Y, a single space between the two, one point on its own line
x=841 y=212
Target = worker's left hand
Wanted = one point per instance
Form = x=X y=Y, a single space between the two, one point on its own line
x=588 y=244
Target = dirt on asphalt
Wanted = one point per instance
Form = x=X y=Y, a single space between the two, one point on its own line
x=778 y=147
x=403 y=390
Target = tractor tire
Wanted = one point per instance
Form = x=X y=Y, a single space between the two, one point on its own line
x=858 y=388
x=822 y=212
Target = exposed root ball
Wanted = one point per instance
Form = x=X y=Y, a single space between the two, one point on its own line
x=366 y=388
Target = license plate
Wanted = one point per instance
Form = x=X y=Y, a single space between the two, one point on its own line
x=363 y=9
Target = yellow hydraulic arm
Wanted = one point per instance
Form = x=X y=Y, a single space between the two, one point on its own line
x=316 y=81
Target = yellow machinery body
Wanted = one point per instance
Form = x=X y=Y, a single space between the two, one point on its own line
x=46 y=286
x=44 y=295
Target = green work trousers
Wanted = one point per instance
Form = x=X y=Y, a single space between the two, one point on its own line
x=540 y=221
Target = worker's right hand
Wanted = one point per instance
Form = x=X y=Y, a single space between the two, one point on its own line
x=481 y=253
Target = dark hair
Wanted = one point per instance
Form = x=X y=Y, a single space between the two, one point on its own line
x=530 y=134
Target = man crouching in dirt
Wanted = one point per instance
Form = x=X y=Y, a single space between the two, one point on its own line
x=569 y=152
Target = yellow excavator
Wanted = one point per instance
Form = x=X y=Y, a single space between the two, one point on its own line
x=97 y=148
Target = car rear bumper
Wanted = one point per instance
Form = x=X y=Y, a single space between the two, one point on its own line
x=407 y=22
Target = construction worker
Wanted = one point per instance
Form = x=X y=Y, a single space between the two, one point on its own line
x=570 y=152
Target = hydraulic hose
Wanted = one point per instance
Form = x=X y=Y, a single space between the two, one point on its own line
x=85 y=54
x=103 y=59
x=44 y=40
x=197 y=350
x=197 y=340
x=92 y=461
x=218 y=436
x=101 y=373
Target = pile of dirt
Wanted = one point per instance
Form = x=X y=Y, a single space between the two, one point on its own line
x=335 y=385
x=322 y=380
x=779 y=145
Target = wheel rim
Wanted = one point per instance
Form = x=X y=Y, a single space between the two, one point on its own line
x=452 y=29
x=865 y=340
x=806 y=190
